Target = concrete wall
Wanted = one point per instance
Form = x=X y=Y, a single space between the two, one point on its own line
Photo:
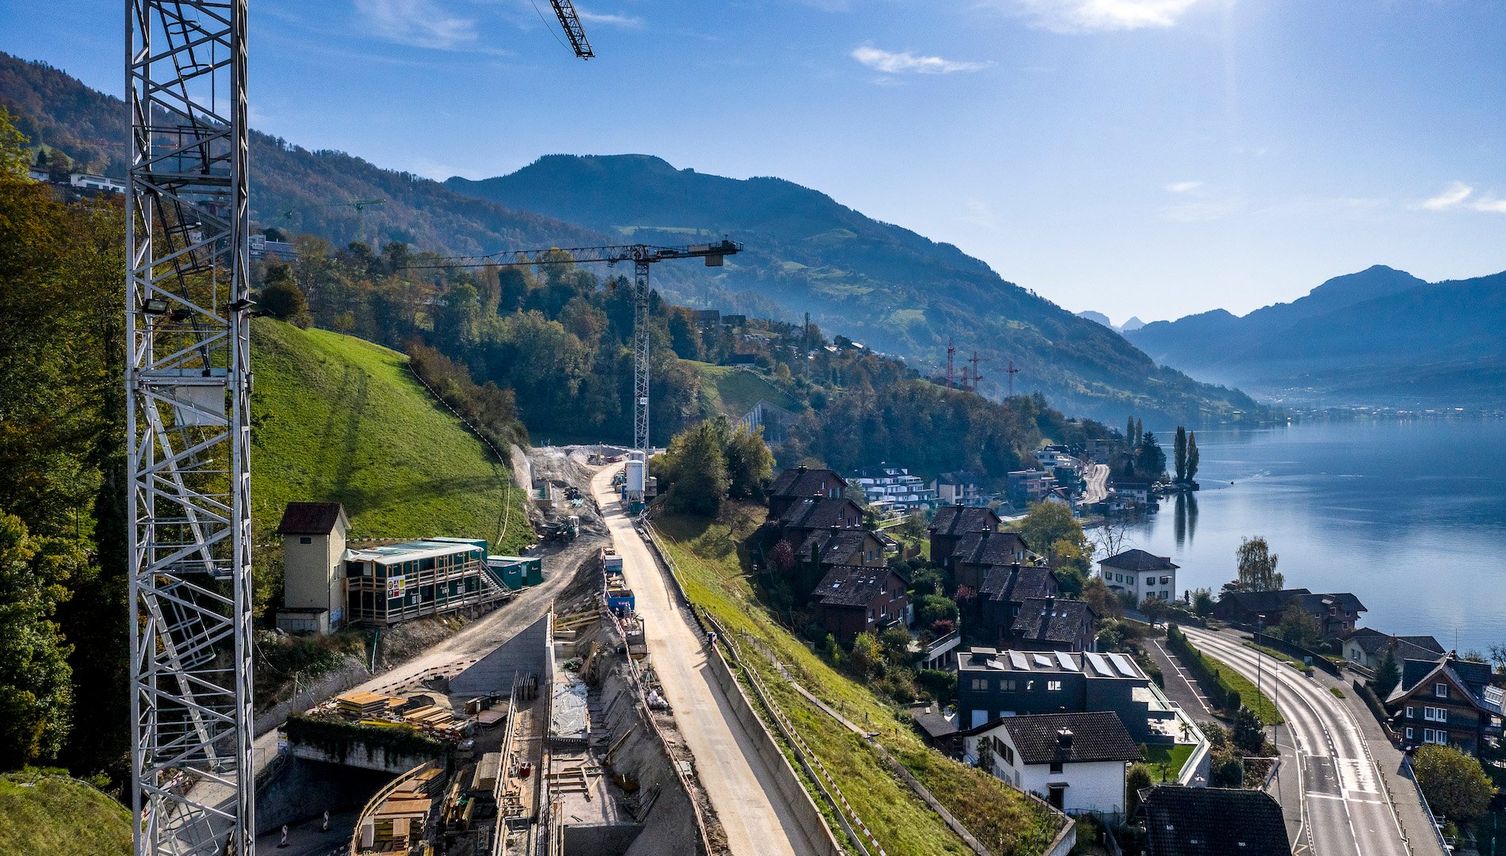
x=361 y=757
x=303 y=790
x=600 y=839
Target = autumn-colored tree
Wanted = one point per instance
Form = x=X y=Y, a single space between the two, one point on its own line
x=1453 y=782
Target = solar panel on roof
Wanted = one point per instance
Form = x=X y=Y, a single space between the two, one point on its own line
x=1066 y=661
x=1099 y=665
x=1123 y=664
x=1018 y=660
x=1043 y=661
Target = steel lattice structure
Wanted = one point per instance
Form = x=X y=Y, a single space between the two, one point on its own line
x=642 y=256
x=188 y=435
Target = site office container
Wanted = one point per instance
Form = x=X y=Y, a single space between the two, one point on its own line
x=400 y=582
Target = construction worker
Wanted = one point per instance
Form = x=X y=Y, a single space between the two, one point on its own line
x=324 y=827
x=284 y=841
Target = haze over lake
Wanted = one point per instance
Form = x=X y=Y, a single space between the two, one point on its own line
x=1408 y=515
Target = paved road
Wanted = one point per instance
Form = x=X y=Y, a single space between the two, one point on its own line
x=1097 y=478
x=741 y=789
x=1346 y=811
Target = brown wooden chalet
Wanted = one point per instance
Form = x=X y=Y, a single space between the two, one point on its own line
x=851 y=599
x=800 y=483
x=951 y=522
x=1447 y=701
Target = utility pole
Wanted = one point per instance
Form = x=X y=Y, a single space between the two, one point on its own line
x=951 y=355
x=972 y=384
x=1011 y=371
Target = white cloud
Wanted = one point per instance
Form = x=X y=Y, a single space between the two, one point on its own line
x=1452 y=195
x=419 y=23
x=1090 y=16
x=1183 y=186
x=904 y=62
x=609 y=19
x=1490 y=205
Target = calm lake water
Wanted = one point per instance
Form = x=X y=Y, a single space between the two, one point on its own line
x=1410 y=516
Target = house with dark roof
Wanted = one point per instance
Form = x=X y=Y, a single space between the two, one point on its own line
x=313 y=582
x=951 y=522
x=1368 y=648
x=960 y=488
x=975 y=553
x=1336 y=612
x=993 y=684
x=1212 y=822
x=1447 y=701
x=990 y=611
x=820 y=550
x=852 y=599
x=1054 y=624
x=937 y=727
x=1141 y=574
x=803 y=483
x=808 y=515
x=1074 y=761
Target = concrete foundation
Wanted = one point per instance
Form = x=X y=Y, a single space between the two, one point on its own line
x=303 y=790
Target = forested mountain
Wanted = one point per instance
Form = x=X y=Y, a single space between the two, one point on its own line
x=1377 y=337
x=891 y=288
x=886 y=286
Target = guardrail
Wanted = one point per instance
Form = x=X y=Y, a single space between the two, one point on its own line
x=1406 y=764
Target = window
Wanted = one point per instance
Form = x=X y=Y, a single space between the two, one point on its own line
x=1056 y=766
x=1007 y=685
x=1409 y=732
x=1053 y=686
x=305 y=540
x=1166 y=581
x=1435 y=714
x=1410 y=713
x=1440 y=690
x=980 y=683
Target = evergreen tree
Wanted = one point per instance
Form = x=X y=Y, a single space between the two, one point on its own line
x=1388 y=675
x=696 y=466
x=1129 y=431
x=1180 y=452
x=1139 y=431
x=1192 y=456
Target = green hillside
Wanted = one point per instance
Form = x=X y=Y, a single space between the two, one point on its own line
x=339 y=418
x=44 y=815
x=733 y=390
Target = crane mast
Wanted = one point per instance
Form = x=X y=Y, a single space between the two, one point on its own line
x=642 y=256
x=188 y=428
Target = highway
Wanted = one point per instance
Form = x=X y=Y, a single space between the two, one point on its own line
x=741 y=789
x=1097 y=478
x=1345 y=808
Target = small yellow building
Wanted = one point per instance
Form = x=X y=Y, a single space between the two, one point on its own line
x=313 y=553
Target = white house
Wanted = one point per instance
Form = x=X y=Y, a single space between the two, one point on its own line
x=1141 y=574
x=1074 y=761
x=90 y=181
x=313 y=553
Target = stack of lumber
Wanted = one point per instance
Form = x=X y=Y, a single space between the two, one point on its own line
x=362 y=705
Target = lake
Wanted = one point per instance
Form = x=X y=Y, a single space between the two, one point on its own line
x=1408 y=515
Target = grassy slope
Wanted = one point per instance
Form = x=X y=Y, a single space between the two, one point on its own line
x=58 y=816
x=733 y=390
x=339 y=418
x=713 y=577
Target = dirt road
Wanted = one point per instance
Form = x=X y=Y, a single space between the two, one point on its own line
x=743 y=793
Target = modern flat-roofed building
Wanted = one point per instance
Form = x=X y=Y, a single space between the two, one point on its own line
x=992 y=683
x=399 y=582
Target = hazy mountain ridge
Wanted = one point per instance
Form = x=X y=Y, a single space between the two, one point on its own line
x=1379 y=336
x=885 y=285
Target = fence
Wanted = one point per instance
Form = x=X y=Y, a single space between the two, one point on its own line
x=1406 y=766
x=1317 y=660
x=1373 y=702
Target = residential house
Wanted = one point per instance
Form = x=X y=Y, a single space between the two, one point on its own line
x=1054 y=624
x=1367 y=647
x=852 y=599
x=1336 y=612
x=1212 y=822
x=1027 y=486
x=823 y=549
x=313 y=579
x=101 y=183
x=975 y=554
x=937 y=727
x=1447 y=701
x=993 y=684
x=961 y=488
x=992 y=606
x=890 y=488
x=809 y=515
x=1074 y=761
x=791 y=486
x=1140 y=574
x=952 y=522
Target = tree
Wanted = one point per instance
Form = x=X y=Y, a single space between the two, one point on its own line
x=1101 y=599
x=1257 y=566
x=36 y=576
x=1155 y=609
x=1129 y=432
x=1454 y=783
x=13 y=157
x=697 y=469
x=1388 y=675
x=1111 y=537
x=749 y=462
x=1202 y=602
x=1139 y=431
x=1192 y=456
x=782 y=556
x=932 y=608
x=1247 y=732
x=1049 y=527
x=1150 y=460
x=1136 y=779
x=1180 y=451
x=281 y=298
x=1299 y=627
x=867 y=656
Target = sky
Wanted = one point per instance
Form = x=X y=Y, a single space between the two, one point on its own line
x=1136 y=157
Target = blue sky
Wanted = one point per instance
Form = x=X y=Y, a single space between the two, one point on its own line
x=1147 y=157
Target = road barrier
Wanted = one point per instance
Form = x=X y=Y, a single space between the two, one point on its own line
x=1317 y=660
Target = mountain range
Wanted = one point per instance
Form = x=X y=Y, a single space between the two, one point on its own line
x=888 y=287
x=1380 y=337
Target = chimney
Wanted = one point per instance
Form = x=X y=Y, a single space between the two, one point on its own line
x=1064 y=738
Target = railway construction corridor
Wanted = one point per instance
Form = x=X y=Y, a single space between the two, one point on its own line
x=1345 y=808
x=741 y=789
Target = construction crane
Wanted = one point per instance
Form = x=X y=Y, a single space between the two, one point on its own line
x=570 y=23
x=642 y=256
x=188 y=437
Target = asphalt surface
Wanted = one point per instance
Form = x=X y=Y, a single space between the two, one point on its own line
x=1345 y=808
x=739 y=784
x=1097 y=478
